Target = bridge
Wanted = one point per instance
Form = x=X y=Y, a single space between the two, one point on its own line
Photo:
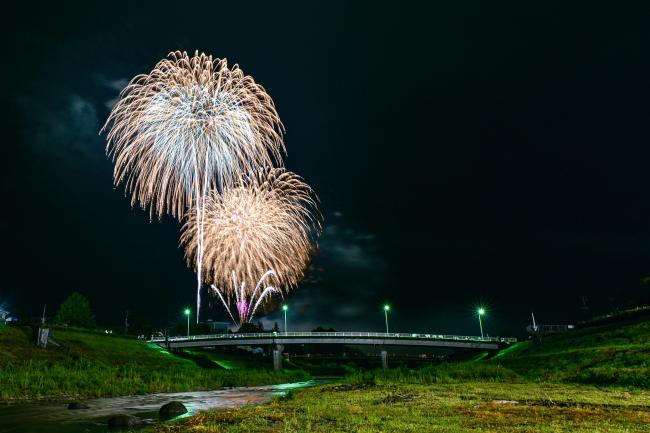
x=279 y=339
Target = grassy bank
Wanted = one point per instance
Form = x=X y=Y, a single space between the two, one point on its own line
x=473 y=406
x=603 y=352
x=95 y=365
x=594 y=379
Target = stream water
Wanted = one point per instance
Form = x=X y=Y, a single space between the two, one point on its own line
x=55 y=417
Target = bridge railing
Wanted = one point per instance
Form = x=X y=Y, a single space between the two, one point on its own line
x=273 y=335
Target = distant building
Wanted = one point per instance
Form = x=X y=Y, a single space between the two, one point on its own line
x=218 y=327
x=547 y=329
x=6 y=316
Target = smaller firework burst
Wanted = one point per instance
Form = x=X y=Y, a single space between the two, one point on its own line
x=260 y=232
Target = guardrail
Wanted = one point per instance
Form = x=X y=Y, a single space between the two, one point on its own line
x=506 y=340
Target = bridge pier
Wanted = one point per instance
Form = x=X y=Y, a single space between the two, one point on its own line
x=277 y=357
x=384 y=359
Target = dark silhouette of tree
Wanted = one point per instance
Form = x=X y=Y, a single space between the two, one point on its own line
x=75 y=311
x=251 y=328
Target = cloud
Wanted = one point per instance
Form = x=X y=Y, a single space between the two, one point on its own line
x=66 y=131
x=65 y=123
x=351 y=271
x=117 y=85
x=347 y=247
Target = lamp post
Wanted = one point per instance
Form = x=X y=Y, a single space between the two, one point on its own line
x=481 y=311
x=285 y=308
x=187 y=313
x=386 y=310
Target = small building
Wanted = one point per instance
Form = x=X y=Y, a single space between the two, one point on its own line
x=539 y=330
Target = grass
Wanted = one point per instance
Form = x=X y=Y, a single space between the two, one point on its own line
x=96 y=365
x=474 y=406
x=606 y=353
x=229 y=360
x=593 y=379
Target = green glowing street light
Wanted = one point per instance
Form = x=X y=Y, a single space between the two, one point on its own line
x=386 y=310
x=481 y=311
x=187 y=313
x=285 y=308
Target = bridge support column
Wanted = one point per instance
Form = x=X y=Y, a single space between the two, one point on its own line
x=277 y=357
x=384 y=359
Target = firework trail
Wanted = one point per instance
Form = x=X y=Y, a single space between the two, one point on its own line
x=245 y=301
x=265 y=226
x=189 y=126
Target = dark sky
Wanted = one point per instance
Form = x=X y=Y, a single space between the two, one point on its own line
x=464 y=155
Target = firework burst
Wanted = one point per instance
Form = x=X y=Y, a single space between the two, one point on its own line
x=257 y=233
x=190 y=126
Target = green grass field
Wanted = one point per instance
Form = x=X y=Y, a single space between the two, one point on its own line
x=476 y=406
x=94 y=365
x=610 y=353
x=591 y=380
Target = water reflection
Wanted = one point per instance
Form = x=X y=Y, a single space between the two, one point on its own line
x=56 y=418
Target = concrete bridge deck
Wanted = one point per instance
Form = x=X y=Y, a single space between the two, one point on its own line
x=343 y=338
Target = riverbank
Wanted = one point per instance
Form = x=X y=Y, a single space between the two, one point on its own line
x=612 y=350
x=89 y=365
x=594 y=379
x=54 y=417
x=467 y=407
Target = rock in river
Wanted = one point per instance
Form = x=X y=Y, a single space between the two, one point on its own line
x=76 y=405
x=119 y=422
x=172 y=409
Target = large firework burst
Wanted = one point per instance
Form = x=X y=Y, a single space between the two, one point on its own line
x=189 y=126
x=261 y=231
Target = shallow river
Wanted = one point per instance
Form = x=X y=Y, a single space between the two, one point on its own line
x=54 y=417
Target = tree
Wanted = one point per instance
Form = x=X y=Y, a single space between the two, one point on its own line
x=251 y=328
x=75 y=311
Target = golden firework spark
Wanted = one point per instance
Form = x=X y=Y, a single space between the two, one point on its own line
x=267 y=223
x=189 y=126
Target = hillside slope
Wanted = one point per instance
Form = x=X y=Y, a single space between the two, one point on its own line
x=605 y=352
x=89 y=364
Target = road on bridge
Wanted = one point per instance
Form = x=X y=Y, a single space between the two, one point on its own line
x=344 y=338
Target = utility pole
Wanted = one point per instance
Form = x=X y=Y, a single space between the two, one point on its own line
x=187 y=313
x=43 y=317
x=386 y=310
x=126 y=322
x=480 y=312
x=285 y=308
x=534 y=324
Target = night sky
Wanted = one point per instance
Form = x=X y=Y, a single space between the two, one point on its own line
x=463 y=155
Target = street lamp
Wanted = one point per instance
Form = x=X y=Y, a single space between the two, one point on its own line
x=386 y=310
x=187 y=313
x=481 y=311
x=285 y=308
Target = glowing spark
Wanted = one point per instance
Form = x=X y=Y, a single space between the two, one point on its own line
x=189 y=126
x=267 y=222
x=244 y=300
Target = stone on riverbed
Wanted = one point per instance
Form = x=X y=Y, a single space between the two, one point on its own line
x=119 y=422
x=172 y=409
x=76 y=405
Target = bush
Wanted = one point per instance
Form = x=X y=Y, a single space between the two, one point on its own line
x=443 y=373
x=361 y=378
x=637 y=377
